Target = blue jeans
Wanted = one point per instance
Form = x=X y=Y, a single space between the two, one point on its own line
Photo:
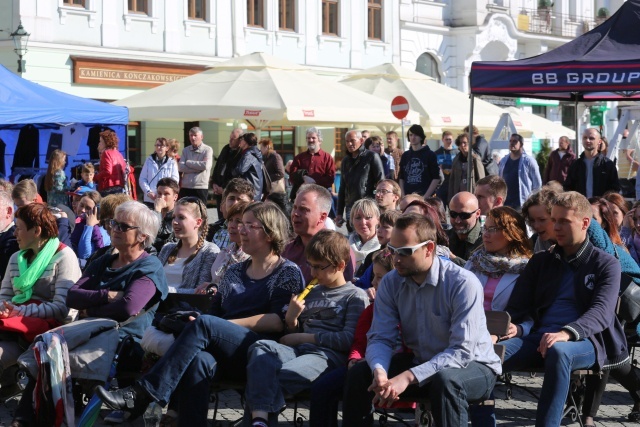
x=561 y=359
x=191 y=362
x=276 y=370
x=449 y=390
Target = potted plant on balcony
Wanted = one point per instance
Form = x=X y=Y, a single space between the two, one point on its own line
x=602 y=15
x=544 y=10
x=545 y=4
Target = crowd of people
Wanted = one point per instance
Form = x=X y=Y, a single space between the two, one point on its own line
x=292 y=298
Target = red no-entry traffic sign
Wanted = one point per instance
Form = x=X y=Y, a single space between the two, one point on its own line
x=400 y=107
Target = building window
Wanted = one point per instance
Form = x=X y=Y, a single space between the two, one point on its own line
x=255 y=13
x=287 y=15
x=374 y=8
x=330 y=17
x=79 y=3
x=197 y=9
x=428 y=65
x=139 y=6
x=284 y=140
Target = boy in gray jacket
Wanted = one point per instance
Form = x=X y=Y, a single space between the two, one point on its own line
x=319 y=332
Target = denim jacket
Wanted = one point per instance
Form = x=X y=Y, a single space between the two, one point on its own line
x=529 y=174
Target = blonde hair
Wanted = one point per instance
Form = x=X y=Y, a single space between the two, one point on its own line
x=576 y=201
x=274 y=222
x=367 y=206
x=198 y=210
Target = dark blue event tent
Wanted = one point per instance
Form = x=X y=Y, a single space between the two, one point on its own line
x=603 y=64
x=35 y=120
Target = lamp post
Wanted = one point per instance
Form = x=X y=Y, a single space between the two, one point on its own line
x=20 y=40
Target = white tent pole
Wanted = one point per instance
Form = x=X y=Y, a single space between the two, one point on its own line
x=471 y=142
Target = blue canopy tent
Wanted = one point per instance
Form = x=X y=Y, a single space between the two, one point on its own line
x=600 y=65
x=35 y=120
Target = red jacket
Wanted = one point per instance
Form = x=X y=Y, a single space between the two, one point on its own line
x=558 y=168
x=111 y=170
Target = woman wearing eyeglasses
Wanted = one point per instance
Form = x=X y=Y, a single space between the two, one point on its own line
x=250 y=305
x=458 y=176
x=365 y=218
x=504 y=253
x=188 y=262
x=157 y=166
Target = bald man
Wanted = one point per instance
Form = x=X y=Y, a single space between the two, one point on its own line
x=592 y=174
x=464 y=236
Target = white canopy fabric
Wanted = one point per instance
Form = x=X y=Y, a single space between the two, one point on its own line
x=262 y=90
x=440 y=107
x=540 y=127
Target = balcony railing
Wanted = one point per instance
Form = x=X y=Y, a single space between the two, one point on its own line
x=545 y=21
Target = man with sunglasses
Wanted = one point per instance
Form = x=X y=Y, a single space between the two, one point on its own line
x=438 y=306
x=464 y=236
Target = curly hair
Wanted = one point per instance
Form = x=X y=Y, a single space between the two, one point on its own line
x=110 y=139
x=514 y=230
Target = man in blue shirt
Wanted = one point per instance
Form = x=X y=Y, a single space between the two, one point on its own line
x=521 y=173
x=438 y=306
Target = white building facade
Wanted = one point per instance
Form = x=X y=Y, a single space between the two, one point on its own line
x=111 y=49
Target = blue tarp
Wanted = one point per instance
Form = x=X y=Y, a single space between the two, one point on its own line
x=602 y=64
x=60 y=120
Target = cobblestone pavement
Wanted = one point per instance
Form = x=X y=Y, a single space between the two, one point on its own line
x=519 y=411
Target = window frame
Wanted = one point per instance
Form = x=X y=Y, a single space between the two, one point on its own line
x=71 y=3
x=191 y=9
x=374 y=6
x=251 y=18
x=284 y=6
x=325 y=19
x=144 y=10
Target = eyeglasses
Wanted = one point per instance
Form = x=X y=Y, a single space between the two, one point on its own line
x=197 y=201
x=383 y=192
x=160 y=145
x=462 y=215
x=250 y=226
x=317 y=267
x=121 y=226
x=406 y=250
x=491 y=230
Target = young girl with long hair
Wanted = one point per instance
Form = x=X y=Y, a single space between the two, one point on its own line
x=55 y=181
x=188 y=262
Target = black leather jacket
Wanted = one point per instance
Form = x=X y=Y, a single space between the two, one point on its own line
x=359 y=177
x=605 y=176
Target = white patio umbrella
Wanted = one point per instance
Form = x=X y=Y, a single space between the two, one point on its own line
x=540 y=127
x=440 y=107
x=262 y=90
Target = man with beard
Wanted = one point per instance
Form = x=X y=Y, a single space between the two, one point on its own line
x=521 y=173
x=592 y=174
x=437 y=309
x=314 y=166
x=465 y=235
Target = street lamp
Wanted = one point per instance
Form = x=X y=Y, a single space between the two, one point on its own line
x=20 y=39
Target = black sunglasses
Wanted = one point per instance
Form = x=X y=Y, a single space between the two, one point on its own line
x=462 y=215
x=121 y=226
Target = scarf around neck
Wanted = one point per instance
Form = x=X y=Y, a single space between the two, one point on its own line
x=30 y=273
x=495 y=266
